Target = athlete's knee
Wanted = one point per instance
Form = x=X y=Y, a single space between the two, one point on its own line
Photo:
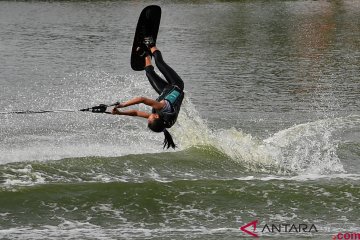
x=158 y=56
x=149 y=69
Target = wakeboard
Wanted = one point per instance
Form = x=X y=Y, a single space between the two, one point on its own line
x=147 y=26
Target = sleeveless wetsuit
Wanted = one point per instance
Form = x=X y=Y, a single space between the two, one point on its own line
x=171 y=90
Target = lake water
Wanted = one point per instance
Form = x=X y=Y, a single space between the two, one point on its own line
x=269 y=129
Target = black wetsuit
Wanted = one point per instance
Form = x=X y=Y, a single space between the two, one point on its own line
x=170 y=90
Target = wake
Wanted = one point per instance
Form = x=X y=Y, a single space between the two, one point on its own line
x=305 y=148
x=309 y=148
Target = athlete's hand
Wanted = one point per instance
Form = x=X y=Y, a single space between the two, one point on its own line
x=120 y=105
x=115 y=111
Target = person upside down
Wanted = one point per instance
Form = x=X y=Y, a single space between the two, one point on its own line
x=166 y=108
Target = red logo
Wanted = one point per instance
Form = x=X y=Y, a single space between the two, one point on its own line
x=244 y=228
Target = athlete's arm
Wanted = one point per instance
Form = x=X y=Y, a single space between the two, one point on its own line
x=134 y=113
x=150 y=102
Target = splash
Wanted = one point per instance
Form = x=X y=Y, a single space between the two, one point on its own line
x=192 y=130
x=309 y=148
x=56 y=136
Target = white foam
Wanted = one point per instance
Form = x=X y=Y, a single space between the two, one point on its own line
x=192 y=131
x=78 y=230
x=311 y=148
x=302 y=149
x=303 y=177
x=43 y=152
x=70 y=135
x=308 y=148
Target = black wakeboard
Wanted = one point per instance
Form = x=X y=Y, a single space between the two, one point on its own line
x=148 y=25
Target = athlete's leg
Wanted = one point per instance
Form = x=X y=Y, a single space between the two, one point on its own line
x=171 y=76
x=155 y=80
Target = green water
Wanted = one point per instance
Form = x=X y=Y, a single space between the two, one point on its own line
x=168 y=195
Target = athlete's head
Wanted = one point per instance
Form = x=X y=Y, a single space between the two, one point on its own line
x=156 y=124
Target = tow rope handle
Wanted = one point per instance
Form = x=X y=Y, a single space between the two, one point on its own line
x=99 y=109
